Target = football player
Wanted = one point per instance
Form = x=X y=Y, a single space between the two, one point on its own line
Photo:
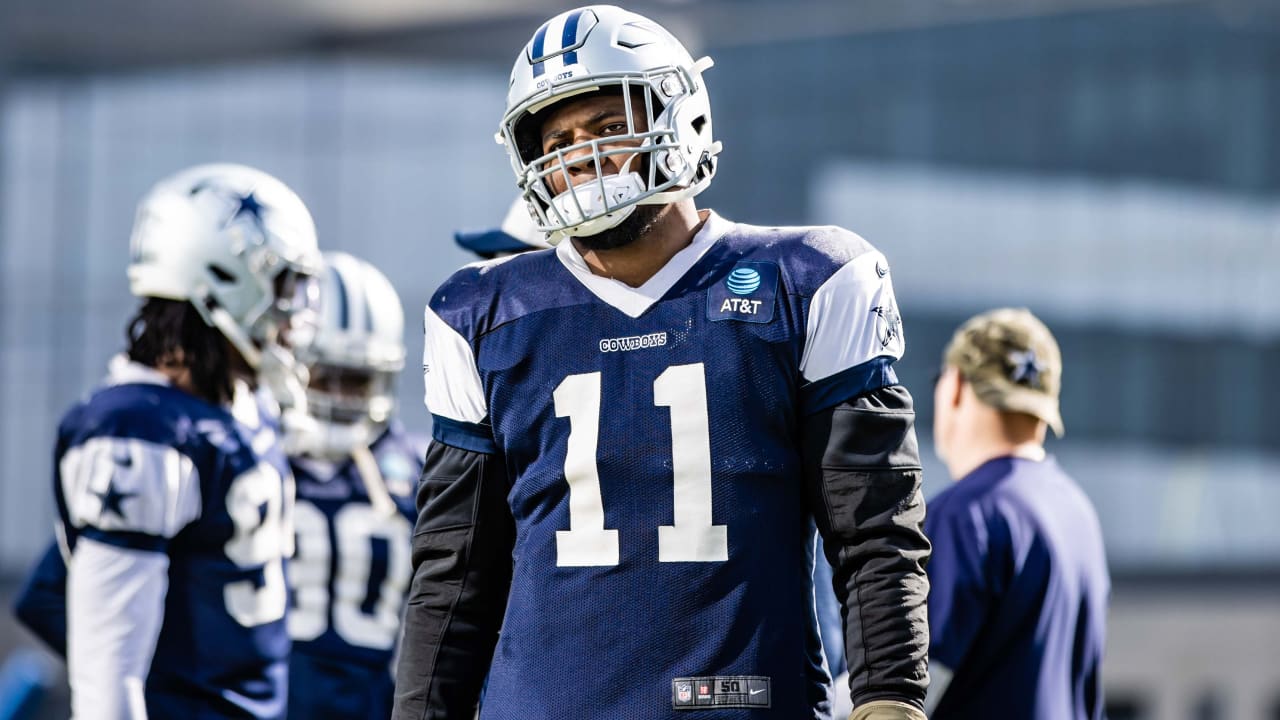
x=172 y=491
x=517 y=234
x=355 y=468
x=636 y=430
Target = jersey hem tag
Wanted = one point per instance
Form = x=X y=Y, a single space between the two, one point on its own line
x=718 y=692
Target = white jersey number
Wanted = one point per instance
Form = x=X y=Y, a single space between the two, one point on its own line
x=257 y=503
x=692 y=537
x=355 y=526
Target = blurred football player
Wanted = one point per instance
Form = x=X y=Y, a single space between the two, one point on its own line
x=172 y=491
x=635 y=431
x=356 y=468
x=1019 y=582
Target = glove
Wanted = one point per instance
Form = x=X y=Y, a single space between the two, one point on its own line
x=887 y=710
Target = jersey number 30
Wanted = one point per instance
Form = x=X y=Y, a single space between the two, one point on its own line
x=355 y=527
x=691 y=537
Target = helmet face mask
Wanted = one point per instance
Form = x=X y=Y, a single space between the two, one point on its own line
x=604 y=49
x=292 y=318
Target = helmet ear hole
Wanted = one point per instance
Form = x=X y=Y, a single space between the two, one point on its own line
x=526 y=137
x=221 y=273
x=699 y=123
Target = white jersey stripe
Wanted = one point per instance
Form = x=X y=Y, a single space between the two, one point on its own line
x=449 y=373
x=130 y=485
x=853 y=317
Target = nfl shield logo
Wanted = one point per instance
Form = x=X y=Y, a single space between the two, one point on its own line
x=683 y=692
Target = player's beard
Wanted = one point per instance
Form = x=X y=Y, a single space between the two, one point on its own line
x=635 y=226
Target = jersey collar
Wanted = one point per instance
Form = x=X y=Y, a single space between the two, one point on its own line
x=123 y=371
x=633 y=302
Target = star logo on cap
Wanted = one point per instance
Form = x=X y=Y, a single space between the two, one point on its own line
x=1026 y=368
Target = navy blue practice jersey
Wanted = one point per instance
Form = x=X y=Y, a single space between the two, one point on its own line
x=1018 y=594
x=146 y=467
x=348 y=581
x=664 y=549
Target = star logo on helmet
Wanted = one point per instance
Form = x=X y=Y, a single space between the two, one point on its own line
x=247 y=204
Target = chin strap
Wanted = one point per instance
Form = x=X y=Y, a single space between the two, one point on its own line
x=285 y=378
x=367 y=465
x=275 y=366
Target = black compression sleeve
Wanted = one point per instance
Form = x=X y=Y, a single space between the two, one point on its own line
x=461 y=576
x=862 y=472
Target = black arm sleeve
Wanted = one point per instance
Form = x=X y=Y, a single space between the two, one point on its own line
x=461 y=576
x=862 y=473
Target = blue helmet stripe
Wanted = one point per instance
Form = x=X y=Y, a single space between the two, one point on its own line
x=341 y=288
x=570 y=36
x=539 y=40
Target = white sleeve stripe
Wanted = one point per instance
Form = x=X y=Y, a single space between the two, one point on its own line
x=449 y=373
x=852 y=318
x=130 y=485
x=115 y=609
x=172 y=477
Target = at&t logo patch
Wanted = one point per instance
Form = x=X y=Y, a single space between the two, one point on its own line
x=747 y=293
x=743 y=281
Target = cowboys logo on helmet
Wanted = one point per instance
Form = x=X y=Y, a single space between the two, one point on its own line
x=240 y=246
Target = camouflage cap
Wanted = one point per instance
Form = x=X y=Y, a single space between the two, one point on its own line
x=1012 y=361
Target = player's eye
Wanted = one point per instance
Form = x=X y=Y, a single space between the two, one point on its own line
x=614 y=128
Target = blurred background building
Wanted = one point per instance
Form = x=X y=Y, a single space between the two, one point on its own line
x=1114 y=165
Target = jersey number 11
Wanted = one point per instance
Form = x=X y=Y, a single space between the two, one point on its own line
x=691 y=537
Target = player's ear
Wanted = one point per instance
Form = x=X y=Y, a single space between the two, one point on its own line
x=955 y=382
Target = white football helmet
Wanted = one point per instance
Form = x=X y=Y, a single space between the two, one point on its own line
x=353 y=361
x=240 y=246
x=602 y=47
x=516 y=234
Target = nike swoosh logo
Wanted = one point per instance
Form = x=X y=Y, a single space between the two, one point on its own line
x=755 y=692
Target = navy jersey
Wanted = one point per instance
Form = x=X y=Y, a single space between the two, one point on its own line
x=1018 y=596
x=146 y=467
x=348 y=581
x=651 y=436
